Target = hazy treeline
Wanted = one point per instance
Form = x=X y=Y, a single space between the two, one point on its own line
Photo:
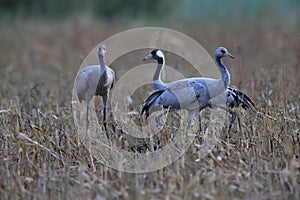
x=100 y=8
x=177 y=10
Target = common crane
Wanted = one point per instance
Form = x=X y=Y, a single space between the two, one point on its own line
x=95 y=80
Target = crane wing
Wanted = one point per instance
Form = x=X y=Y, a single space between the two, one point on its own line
x=185 y=94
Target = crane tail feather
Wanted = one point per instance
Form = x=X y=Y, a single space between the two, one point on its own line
x=241 y=99
x=149 y=102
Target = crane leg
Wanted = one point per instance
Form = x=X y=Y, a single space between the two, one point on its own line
x=105 y=99
x=239 y=122
x=200 y=128
x=233 y=117
x=87 y=117
x=190 y=117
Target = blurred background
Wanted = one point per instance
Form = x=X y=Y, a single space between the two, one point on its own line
x=56 y=34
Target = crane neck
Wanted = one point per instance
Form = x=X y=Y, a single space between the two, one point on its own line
x=157 y=82
x=225 y=76
x=102 y=63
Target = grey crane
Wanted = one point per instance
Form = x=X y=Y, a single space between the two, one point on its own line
x=95 y=80
x=192 y=94
x=229 y=99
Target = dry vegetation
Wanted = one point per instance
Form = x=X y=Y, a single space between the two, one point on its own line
x=41 y=156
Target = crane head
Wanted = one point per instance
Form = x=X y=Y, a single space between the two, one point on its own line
x=222 y=52
x=156 y=54
x=102 y=50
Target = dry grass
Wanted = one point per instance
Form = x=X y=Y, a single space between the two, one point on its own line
x=42 y=158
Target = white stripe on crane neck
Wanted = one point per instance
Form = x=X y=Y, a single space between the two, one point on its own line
x=160 y=54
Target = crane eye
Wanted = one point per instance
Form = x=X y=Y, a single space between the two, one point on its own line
x=223 y=51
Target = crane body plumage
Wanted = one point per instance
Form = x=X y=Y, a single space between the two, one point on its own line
x=88 y=82
x=95 y=80
x=232 y=98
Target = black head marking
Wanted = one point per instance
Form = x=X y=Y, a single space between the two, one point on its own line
x=154 y=52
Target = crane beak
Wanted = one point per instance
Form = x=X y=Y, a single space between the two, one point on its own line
x=229 y=55
x=148 y=57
